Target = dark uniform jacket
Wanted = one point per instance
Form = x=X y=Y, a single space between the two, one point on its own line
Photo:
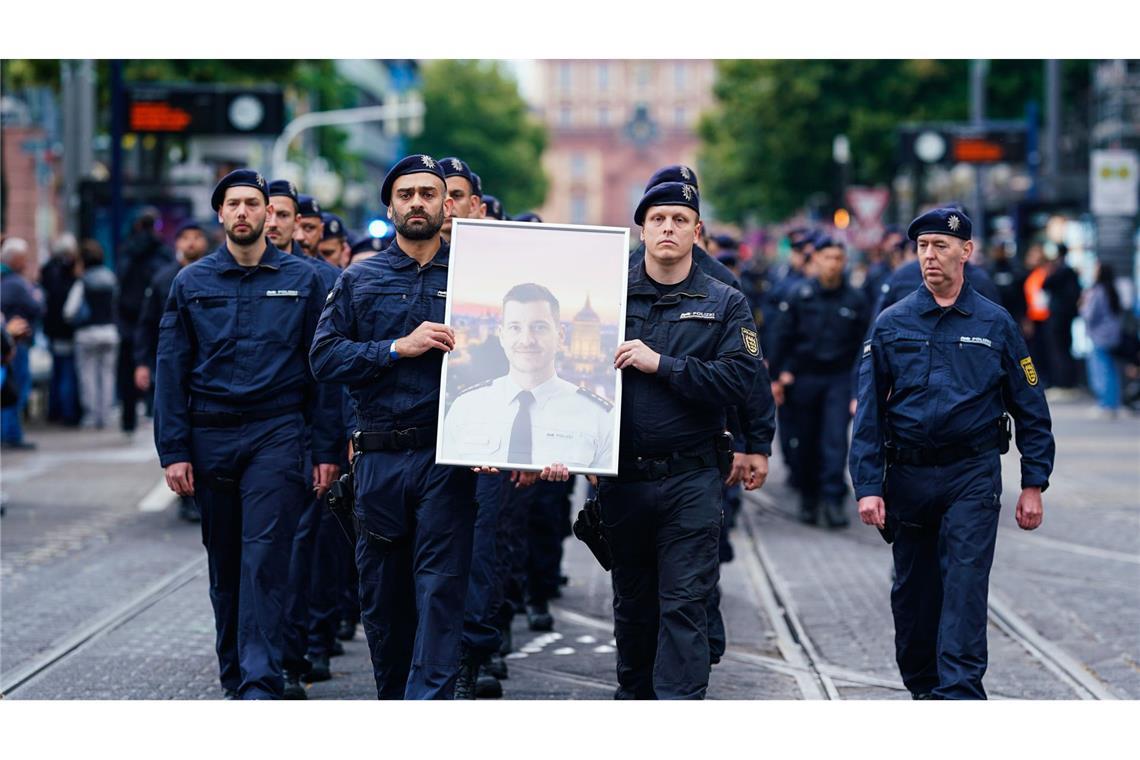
x=818 y=331
x=236 y=340
x=931 y=377
x=908 y=278
x=154 y=301
x=710 y=357
x=376 y=301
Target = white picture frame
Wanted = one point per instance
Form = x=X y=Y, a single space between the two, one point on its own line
x=562 y=290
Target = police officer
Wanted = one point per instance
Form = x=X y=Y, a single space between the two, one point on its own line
x=691 y=350
x=310 y=225
x=281 y=226
x=232 y=391
x=493 y=208
x=463 y=191
x=190 y=244
x=333 y=246
x=819 y=332
x=939 y=373
x=381 y=333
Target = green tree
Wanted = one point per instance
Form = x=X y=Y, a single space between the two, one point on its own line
x=475 y=112
x=767 y=142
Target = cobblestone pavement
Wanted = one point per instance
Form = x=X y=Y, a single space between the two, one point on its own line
x=807 y=609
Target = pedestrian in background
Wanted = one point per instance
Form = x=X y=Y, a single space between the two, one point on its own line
x=1064 y=289
x=1101 y=311
x=20 y=299
x=56 y=278
x=90 y=309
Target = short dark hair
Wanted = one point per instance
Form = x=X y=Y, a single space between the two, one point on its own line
x=91 y=252
x=528 y=292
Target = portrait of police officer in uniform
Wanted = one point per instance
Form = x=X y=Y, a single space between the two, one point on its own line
x=941 y=370
x=530 y=415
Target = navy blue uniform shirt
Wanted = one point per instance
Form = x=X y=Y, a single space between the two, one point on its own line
x=908 y=278
x=818 y=330
x=236 y=339
x=376 y=301
x=710 y=356
x=932 y=376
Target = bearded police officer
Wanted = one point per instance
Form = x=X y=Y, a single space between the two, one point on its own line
x=942 y=368
x=381 y=333
x=233 y=387
x=310 y=225
x=691 y=350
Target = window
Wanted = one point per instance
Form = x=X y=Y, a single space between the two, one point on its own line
x=578 y=209
x=565 y=115
x=603 y=77
x=636 y=192
x=603 y=116
x=680 y=71
x=577 y=166
x=644 y=74
x=564 y=76
x=680 y=117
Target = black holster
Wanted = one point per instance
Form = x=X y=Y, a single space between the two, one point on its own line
x=724 y=453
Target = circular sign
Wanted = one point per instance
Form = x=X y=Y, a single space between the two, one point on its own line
x=246 y=112
x=930 y=147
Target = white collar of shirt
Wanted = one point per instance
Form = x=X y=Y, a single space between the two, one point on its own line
x=542 y=393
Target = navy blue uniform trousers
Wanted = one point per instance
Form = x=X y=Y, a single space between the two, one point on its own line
x=481 y=633
x=250 y=491
x=664 y=535
x=821 y=405
x=413 y=553
x=946 y=525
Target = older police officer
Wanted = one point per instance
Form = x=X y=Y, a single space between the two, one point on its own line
x=381 y=333
x=232 y=388
x=941 y=369
x=691 y=350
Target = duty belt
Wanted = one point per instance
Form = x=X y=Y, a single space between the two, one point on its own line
x=237 y=419
x=394 y=440
x=658 y=468
x=944 y=455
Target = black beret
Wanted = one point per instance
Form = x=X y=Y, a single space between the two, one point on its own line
x=283 y=187
x=668 y=194
x=529 y=216
x=728 y=258
x=823 y=240
x=307 y=205
x=369 y=243
x=944 y=221
x=455 y=167
x=674 y=173
x=238 y=178
x=334 y=226
x=726 y=241
x=189 y=224
x=477 y=184
x=414 y=164
x=494 y=207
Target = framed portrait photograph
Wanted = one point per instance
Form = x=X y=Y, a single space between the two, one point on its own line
x=538 y=312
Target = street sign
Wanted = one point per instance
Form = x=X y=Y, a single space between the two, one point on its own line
x=1113 y=182
x=868 y=203
x=193 y=109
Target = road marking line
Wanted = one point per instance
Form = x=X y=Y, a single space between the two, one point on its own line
x=1068 y=546
x=159 y=498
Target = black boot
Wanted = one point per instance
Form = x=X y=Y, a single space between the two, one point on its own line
x=538 y=617
x=320 y=670
x=468 y=675
x=487 y=686
x=809 y=510
x=293 y=687
x=835 y=513
x=497 y=666
x=345 y=630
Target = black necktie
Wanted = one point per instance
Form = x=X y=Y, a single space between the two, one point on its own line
x=520 y=446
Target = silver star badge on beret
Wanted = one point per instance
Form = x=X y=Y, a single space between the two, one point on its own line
x=334 y=227
x=292 y=188
x=685 y=172
x=687 y=191
x=954 y=223
x=316 y=207
x=428 y=162
x=456 y=165
x=260 y=181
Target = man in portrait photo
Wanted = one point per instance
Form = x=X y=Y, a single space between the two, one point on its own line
x=530 y=415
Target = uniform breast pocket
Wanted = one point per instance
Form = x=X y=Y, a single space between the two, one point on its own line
x=975 y=364
x=908 y=355
x=381 y=312
x=280 y=318
x=698 y=336
x=213 y=315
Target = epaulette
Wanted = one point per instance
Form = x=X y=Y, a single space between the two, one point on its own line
x=596 y=398
x=475 y=387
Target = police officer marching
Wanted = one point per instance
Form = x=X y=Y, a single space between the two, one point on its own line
x=818 y=332
x=233 y=388
x=942 y=368
x=691 y=350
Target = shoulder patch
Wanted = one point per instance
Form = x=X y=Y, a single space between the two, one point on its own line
x=595 y=398
x=1029 y=370
x=475 y=387
x=751 y=341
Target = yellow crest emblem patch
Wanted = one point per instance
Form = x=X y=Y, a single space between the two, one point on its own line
x=1029 y=370
x=751 y=341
